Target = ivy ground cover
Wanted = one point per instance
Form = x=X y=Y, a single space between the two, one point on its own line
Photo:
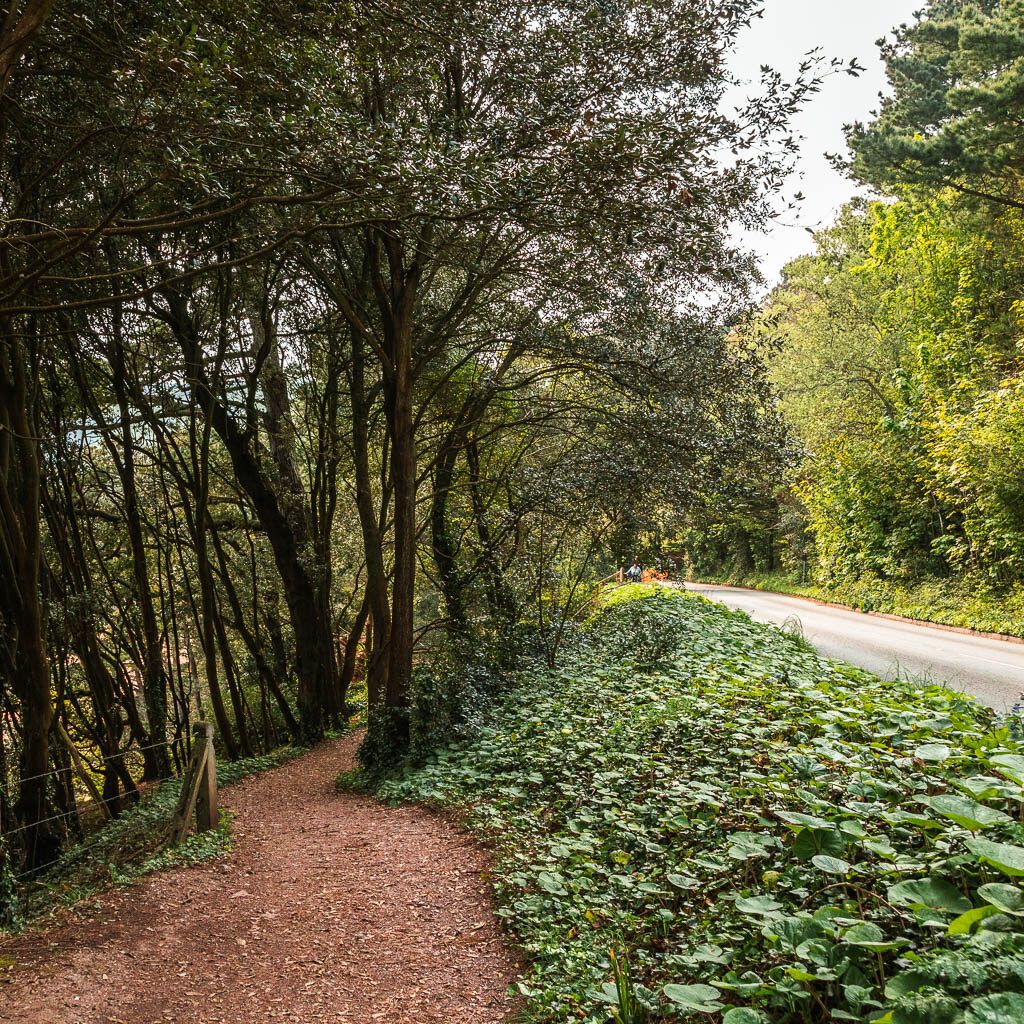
x=760 y=834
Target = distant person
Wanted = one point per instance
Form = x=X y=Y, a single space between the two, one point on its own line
x=634 y=573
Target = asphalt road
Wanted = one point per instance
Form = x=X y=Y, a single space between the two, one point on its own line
x=991 y=670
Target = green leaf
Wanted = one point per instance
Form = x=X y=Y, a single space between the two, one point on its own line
x=936 y=893
x=907 y=981
x=1008 y=898
x=799 y=974
x=797 y=820
x=743 y=1015
x=870 y=936
x=1008 y=859
x=965 y=923
x=932 y=752
x=812 y=841
x=1011 y=765
x=831 y=865
x=681 y=881
x=552 y=883
x=966 y=812
x=1002 y=1008
x=700 y=998
x=757 y=905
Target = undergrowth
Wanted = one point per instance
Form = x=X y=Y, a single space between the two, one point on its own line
x=132 y=845
x=758 y=833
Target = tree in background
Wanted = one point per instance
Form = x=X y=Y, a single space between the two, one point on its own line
x=898 y=339
x=954 y=118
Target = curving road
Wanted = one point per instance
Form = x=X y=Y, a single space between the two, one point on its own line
x=989 y=669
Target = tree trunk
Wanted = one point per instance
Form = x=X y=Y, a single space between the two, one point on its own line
x=24 y=658
x=154 y=679
x=443 y=545
x=403 y=474
x=252 y=642
x=376 y=573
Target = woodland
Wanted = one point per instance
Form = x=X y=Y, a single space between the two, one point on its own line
x=347 y=351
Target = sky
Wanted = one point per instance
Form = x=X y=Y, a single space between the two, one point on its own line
x=788 y=30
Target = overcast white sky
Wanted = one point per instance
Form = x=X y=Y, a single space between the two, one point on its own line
x=787 y=31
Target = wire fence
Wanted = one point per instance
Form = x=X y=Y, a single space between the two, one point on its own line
x=80 y=807
x=102 y=760
x=75 y=850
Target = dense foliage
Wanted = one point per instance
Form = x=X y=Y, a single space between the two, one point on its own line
x=953 y=117
x=900 y=374
x=751 y=828
x=898 y=351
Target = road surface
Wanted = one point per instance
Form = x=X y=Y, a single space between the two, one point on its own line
x=991 y=670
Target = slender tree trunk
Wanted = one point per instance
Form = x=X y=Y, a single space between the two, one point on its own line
x=500 y=601
x=349 y=661
x=376 y=573
x=443 y=545
x=234 y=685
x=24 y=646
x=252 y=642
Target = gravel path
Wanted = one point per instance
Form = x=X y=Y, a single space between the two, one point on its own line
x=329 y=908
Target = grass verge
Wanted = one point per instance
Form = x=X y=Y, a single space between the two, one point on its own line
x=758 y=833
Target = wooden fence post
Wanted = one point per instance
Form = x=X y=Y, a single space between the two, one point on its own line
x=198 y=787
x=619 y=575
x=207 y=813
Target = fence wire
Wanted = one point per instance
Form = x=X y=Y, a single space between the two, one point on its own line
x=81 y=807
x=109 y=757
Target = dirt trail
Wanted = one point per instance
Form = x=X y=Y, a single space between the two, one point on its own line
x=329 y=908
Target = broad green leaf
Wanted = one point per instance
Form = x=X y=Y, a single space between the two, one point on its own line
x=757 y=905
x=1003 y=1008
x=793 y=931
x=965 y=923
x=966 y=812
x=551 y=882
x=831 y=865
x=1011 y=765
x=799 y=974
x=870 y=936
x=1008 y=898
x=743 y=1015
x=932 y=752
x=936 y=893
x=811 y=841
x=681 y=881
x=797 y=820
x=701 y=998
x=1008 y=859
x=907 y=981
x=863 y=933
